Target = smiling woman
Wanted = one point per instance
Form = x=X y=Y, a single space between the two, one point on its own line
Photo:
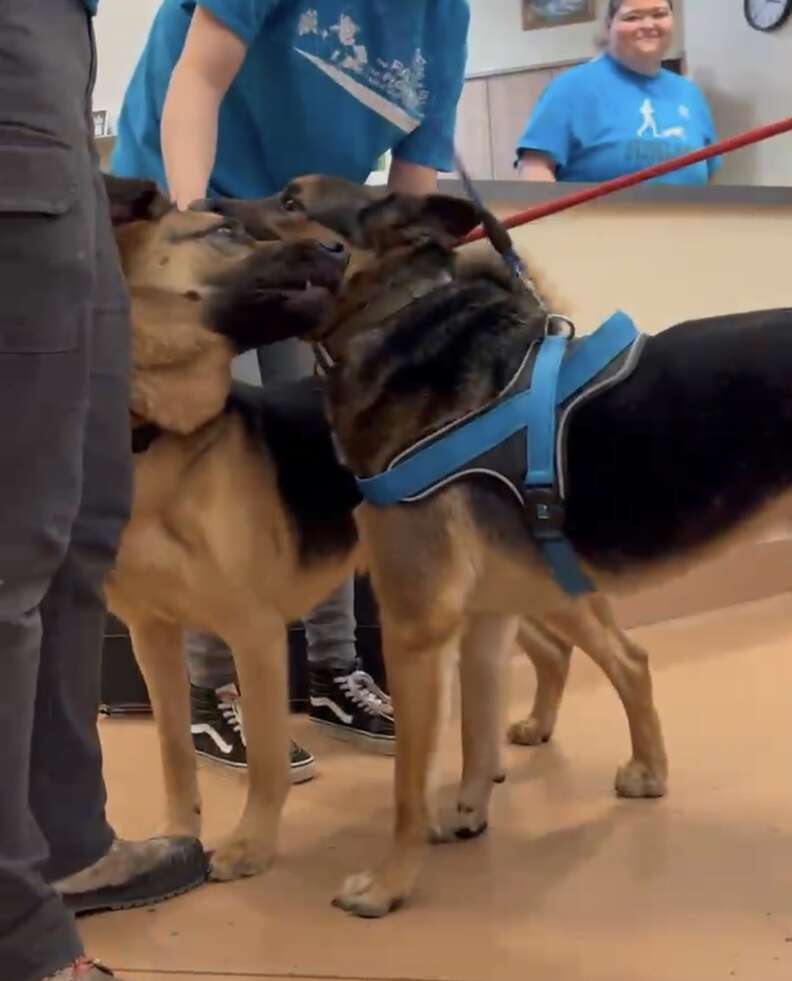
x=622 y=111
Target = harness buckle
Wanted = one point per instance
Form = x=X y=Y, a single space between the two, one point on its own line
x=545 y=511
x=559 y=325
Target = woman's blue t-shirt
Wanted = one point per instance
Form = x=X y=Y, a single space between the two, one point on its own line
x=600 y=120
x=326 y=85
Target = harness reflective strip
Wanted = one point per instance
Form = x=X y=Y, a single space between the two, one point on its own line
x=594 y=353
x=437 y=460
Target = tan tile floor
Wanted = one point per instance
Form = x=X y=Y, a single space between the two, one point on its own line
x=569 y=885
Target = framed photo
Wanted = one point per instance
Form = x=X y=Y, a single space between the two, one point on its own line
x=100 y=122
x=556 y=13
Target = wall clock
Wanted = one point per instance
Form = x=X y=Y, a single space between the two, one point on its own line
x=767 y=15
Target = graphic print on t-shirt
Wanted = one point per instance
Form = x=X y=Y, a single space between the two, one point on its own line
x=394 y=90
x=653 y=144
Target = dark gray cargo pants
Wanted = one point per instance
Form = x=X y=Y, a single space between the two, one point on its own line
x=64 y=473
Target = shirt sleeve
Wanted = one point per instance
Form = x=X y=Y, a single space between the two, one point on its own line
x=432 y=142
x=549 y=126
x=244 y=17
x=708 y=132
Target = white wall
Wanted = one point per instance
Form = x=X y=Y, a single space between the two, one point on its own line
x=747 y=77
x=121 y=30
x=498 y=43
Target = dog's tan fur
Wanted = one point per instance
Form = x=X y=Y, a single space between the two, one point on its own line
x=209 y=544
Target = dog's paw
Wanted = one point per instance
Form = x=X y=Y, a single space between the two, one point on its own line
x=239 y=858
x=368 y=895
x=528 y=732
x=636 y=779
x=471 y=821
x=467 y=822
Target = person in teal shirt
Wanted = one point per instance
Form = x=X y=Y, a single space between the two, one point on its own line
x=235 y=98
x=621 y=111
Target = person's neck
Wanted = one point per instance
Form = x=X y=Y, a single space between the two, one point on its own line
x=638 y=64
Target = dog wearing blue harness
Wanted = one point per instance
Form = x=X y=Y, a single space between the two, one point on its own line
x=514 y=475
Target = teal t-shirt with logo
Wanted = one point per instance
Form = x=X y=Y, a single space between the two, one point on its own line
x=600 y=120
x=326 y=86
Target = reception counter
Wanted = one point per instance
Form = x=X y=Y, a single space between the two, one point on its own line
x=661 y=253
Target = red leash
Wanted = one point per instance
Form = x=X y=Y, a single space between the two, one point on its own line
x=619 y=183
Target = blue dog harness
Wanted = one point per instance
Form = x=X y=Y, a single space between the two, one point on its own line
x=519 y=438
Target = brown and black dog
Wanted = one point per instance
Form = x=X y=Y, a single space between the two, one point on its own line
x=242 y=515
x=242 y=518
x=686 y=456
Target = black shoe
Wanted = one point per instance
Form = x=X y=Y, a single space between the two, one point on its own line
x=136 y=873
x=352 y=707
x=218 y=733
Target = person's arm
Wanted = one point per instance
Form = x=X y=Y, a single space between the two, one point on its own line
x=209 y=62
x=533 y=166
x=411 y=178
x=430 y=147
x=545 y=143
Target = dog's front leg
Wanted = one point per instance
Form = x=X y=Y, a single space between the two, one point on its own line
x=550 y=656
x=417 y=663
x=258 y=640
x=158 y=650
x=485 y=648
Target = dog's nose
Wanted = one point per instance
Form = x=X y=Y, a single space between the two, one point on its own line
x=334 y=248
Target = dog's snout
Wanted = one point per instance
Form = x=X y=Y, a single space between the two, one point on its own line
x=334 y=248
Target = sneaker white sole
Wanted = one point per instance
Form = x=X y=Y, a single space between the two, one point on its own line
x=383 y=745
x=299 y=773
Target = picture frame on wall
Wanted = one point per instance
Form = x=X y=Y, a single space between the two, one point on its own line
x=100 y=122
x=539 y=14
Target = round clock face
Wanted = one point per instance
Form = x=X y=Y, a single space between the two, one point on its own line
x=767 y=15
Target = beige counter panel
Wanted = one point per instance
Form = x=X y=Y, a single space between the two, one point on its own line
x=658 y=262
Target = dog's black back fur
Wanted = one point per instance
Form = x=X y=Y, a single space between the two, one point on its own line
x=696 y=440
x=693 y=442
x=318 y=494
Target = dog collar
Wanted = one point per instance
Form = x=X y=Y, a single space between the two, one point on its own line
x=385 y=307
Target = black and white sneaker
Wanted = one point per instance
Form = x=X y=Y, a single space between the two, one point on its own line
x=352 y=707
x=218 y=733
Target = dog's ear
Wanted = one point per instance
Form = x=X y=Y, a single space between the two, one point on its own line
x=134 y=200
x=181 y=370
x=401 y=218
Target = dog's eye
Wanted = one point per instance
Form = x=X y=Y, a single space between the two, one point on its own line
x=225 y=231
x=289 y=204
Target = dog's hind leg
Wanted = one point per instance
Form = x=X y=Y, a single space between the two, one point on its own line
x=592 y=627
x=258 y=640
x=550 y=656
x=485 y=647
x=158 y=649
x=417 y=660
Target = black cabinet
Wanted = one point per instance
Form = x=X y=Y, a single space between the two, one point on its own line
x=124 y=692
